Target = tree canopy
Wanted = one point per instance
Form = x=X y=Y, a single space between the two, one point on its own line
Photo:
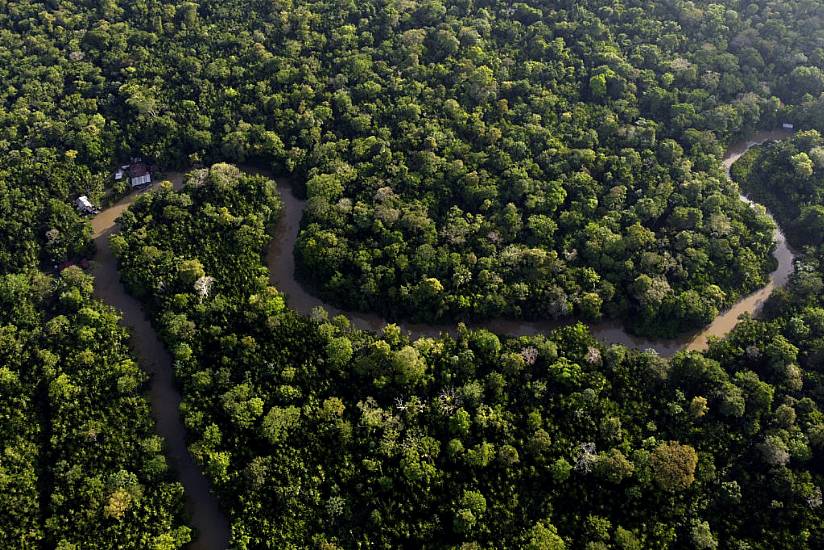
x=460 y=160
x=317 y=433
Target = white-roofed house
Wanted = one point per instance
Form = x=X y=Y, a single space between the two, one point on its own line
x=139 y=175
x=141 y=181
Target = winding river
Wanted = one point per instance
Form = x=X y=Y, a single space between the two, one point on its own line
x=212 y=529
x=281 y=262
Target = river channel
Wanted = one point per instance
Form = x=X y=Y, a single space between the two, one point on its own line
x=211 y=526
x=212 y=530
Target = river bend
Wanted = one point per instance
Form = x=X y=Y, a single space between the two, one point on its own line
x=212 y=529
x=281 y=262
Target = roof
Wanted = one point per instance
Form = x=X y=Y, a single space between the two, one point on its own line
x=138 y=169
x=141 y=180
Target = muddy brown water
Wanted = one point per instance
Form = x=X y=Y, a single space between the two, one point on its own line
x=212 y=529
x=281 y=262
x=785 y=255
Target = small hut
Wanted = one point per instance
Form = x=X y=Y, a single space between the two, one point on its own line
x=139 y=175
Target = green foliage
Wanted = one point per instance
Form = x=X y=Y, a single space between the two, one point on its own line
x=544 y=536
x=673 y=466
x=783 y=176
x=277 y=423
x=461 y=160
x=40 y=225
x=80 y=463
x=475 y=439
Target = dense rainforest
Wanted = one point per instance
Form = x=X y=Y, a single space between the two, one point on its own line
x=461 y=160
x=788 y=177
x=81 y=465
x=317 y=434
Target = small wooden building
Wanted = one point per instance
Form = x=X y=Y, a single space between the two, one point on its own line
x=139 y=175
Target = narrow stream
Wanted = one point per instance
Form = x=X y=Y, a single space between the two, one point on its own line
x=212 y=530
x=751 y=303
x=281 y=262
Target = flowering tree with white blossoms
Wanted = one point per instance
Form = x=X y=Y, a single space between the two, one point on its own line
x=203 y=286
